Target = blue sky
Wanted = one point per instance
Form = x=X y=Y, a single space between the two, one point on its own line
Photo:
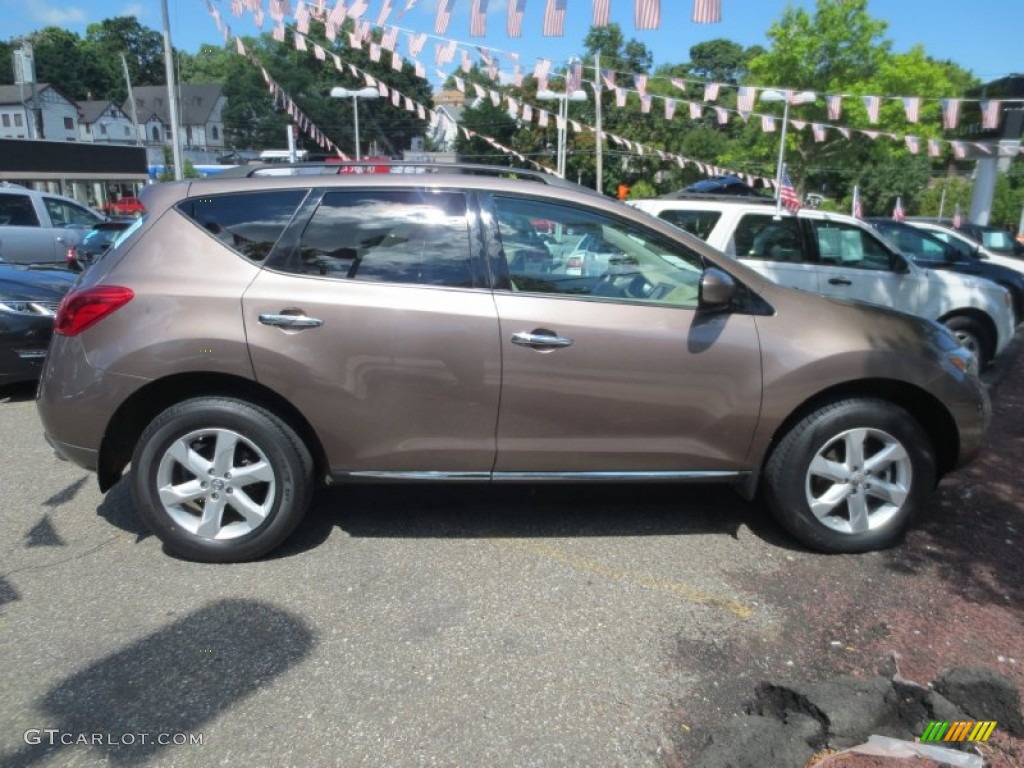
x=984 y=36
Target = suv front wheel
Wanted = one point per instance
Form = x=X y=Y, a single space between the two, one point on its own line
x=220 y=480
x=850 y=476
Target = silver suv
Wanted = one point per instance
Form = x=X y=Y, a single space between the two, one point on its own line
x=39 y=227
x=840 y=256
x=251 y=338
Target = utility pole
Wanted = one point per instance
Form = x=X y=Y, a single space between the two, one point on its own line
x=599 y=183
x=172 y=93
x=131 y=100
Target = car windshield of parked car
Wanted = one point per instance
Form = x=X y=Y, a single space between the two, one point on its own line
x=997 y=240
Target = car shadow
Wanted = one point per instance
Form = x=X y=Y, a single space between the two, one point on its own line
x=21 y=392
x=168 y=685
x=453 y=510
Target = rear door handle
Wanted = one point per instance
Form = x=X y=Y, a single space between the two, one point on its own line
x=839 y=281
x=290 y=321
x=540 y=340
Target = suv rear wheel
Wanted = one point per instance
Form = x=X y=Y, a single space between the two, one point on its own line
x=850 y=476
x=221 y=480
x=972 y=337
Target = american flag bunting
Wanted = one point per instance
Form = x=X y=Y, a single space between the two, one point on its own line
x=648 y=14
x=897 y=212
x=707 y=11
x=516 y=9
x=444 y=16
x=478 y=18
x=950 y=114
x=745 y=98
x=990 y=114
x=872 y=104
x=912 y=108
x=554 y=18
x=788 y=196
x=834 y=102
x=602 y=12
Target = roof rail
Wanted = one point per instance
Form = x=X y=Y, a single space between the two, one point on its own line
x=395 y=166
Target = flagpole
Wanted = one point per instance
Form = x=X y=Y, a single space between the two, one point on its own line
x=599 y=183
x=782 y=154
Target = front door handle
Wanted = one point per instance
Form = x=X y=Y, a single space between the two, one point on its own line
x=290 y=321
x=540 y=340
x=839 y=281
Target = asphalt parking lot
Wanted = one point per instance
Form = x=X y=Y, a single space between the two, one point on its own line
x=471 y=626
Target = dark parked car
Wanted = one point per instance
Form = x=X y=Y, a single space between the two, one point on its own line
x=720 y=185
x=95 y=243
x=927 y=250
x=29 y=297
x=993 y=238
x=254 y=337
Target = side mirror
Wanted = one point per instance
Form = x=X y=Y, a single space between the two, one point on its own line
x=717 y=289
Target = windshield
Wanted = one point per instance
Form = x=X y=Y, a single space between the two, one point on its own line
x=999 y=241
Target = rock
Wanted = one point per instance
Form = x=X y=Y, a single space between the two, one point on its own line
x=984 y=694
x=914 y=707
x=753 y=741
x=850 y=709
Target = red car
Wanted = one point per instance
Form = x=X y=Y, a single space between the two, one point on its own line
x=126 y=206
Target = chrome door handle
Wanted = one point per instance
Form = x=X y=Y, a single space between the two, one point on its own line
x=534 y=340
x=291 y=321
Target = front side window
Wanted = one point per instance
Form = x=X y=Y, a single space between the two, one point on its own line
x=64 y=214
x=846 y=245
x=918 y=245
x=698 y=223
x=391 y=236
x=248 y=223
x=557 y=249
x=17 y=211
x=766 y=237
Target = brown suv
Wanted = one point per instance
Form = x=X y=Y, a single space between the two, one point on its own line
x=251 y=337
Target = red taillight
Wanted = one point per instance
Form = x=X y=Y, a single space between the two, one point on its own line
x=575 y=262
x=71 y=255
x=83 y=309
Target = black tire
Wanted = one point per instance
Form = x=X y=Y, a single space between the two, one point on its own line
x=974 y=336
x=251 y=511
x=834 y=431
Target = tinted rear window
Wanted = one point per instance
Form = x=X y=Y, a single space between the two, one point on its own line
x=246 y=222
x=699 y=223
x=407 y=236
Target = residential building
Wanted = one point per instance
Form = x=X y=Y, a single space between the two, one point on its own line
x=445 y=129
x=200 y=108
x=104 y=122
x=58 y=115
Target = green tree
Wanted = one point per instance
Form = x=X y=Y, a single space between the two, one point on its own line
x=143 y=50
x=719 y=60
x=61 y=59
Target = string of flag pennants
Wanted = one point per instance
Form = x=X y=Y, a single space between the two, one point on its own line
x=745 y=100
x=646 y=12
x=526 y=113
x=398 y=99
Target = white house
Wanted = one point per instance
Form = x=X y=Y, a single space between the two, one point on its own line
x=104 y=122
x=201 y=108
x=58 y=114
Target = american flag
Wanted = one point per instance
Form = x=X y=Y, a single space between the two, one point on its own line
x=516 y=9
x=912 y=108
x=950 y=113
x=573 y=77
x=408 y=7
x=554 y=18
x=389 y=40
x=478 y=19
x=913 y=144
x=416 y=43
x=385 y=11
x=897 y=211
x=640 y=81
x=302 y=19
x=990 y=114
x=835 y=106
x=958 y=218
x=871 y=104
x=648 y=14
x=444 y=16
x=787 y=193
x=707 y=11
x=857 y=209
x=602 y=12
x=745 y=98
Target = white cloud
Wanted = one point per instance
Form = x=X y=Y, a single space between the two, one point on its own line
x=55 y=17
x=133 y=9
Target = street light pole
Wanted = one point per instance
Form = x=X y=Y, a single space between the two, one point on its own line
x=804 y=97
x=172 y=93
x=362 y=93
x=563 y=100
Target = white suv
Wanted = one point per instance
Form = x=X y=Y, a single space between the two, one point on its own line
x=38 y=227
x=839 y=256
